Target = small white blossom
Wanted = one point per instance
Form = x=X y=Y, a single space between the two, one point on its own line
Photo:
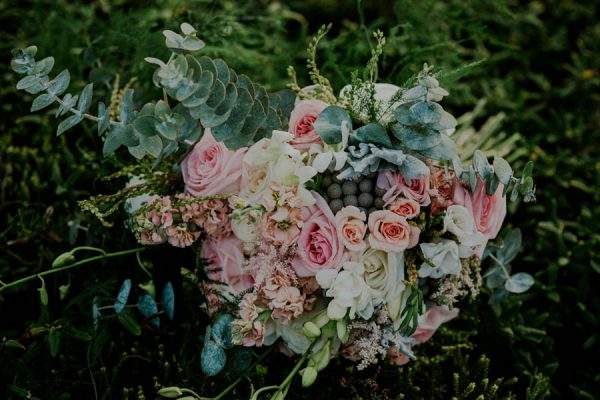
x=442 y=259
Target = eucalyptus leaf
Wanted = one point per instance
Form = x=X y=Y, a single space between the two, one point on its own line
x=85 y=98
x=148 y=308
x=491 y=185
x=371 y=133
x=329 y=124
x=42 y=101
x=481 y=165
x=122 y=296
x=60 y=83
x=104 y=116
x=415 y=139
x=221 y=331
x=27 y=82
x=68 y=102
x=512 y=243
x=528 y=169
x=168 y=300
x=502 y=170
x=519 y=283
x=444 y=151
x=68 y=123
x=212 y=358
x=498 y=296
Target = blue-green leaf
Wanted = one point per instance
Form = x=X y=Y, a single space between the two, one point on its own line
x=126 y=109
x=502 y=170
x=68 y=123
x=42 y=101
x=512 y=243
x=519 y=283
x=60 y=83
x=27 y=82
x=95 y=312
x=221 y=331
x=415 y=139
x=148 y=308
x=329 y=124
x=68 y=103
x=44 y=66
x=168 y=300
x=122 y=296
x=212 y=359
x=481 y=164
x=104 y=116
x=444 y=151
x=371 y=133
x=85 y=99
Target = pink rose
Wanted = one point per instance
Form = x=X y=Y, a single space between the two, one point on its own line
x=319 y=246
x=488 y=211
x=434 y=318
x=391 y=232
x=351 y=227
x=405 y=207
x=211 y=168
x=302 y=118
x=395 y=185
x=227 y=264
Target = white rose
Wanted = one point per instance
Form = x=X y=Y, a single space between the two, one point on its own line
x=255 y=179
x=459 y=221
x=384 y=272
x=442 y=259
x=349 y=291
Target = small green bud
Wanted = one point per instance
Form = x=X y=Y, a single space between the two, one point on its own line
x=170 y=392
x=323 y=356
x=63 y=259
x=311 y=330
x=322 y=319
x=309 y=375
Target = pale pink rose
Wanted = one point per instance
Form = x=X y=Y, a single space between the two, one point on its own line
x=434 y=318
x=488 y=211
x=440 y=190
x=391 y=232
x=211 y=168
x=404 y=207
x=351 y=227
x=395 y=185
x=302 y=118
x=227 y=259
x=319 y=246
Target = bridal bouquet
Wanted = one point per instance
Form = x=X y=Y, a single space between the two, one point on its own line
x=332 y=223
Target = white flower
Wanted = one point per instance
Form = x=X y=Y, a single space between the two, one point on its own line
x=327 y=154
x=384 y=272
x=459 y=221
x=442 y=259
x=349 y=290
x=275 y=160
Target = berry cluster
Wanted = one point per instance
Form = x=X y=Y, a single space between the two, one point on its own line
x=362 y=194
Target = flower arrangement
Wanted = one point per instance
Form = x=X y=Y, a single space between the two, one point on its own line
x=331 y=225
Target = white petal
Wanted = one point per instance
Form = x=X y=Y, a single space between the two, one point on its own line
x=335 y=310
x=340 y=160
x=322 y=161
x=326 y=277
x=305 y=173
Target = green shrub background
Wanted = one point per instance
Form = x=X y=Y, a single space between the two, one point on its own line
x=541 y=72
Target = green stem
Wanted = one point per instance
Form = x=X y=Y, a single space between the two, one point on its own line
x=288 y=380
x=70 y=266
x=501 y=264
x=90 y=248
x=239 y=379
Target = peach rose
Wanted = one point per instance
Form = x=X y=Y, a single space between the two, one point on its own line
x=319 y=246
x=395 y=184
x=488 y=211
x=391 y=232
x=351 y=227
x=405 y=207
x=211 y=168
x=302 y=118
x=227 y=259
